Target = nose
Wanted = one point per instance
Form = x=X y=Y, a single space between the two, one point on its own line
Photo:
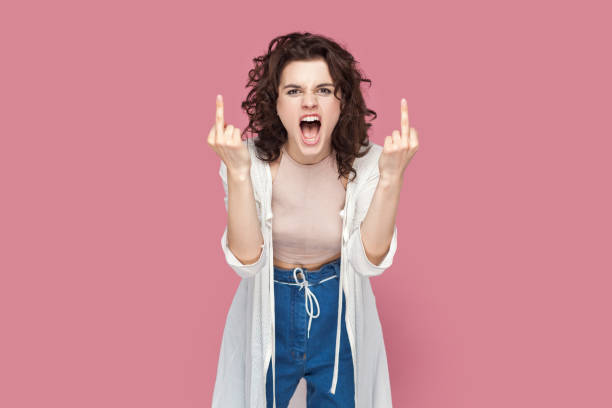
x=309 y=101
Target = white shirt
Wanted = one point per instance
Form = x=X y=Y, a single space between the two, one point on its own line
x=248 y=338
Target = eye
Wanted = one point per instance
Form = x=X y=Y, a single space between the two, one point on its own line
x=326 y=91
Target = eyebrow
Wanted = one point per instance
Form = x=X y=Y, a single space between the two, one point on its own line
x=297 y=86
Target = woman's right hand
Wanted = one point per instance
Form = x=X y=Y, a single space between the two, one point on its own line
x=226 y=141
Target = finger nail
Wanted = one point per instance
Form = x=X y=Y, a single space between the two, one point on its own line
x=403 y=101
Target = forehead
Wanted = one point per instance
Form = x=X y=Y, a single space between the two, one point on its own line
x=305 y=72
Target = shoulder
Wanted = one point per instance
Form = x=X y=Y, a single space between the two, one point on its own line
x=255 y=160
x=372 y=155
x=258 y=169
x=367 y=165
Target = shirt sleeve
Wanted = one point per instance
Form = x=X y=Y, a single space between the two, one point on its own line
x=243 y=270
x=355 y=249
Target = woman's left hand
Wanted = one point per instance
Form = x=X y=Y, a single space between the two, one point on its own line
x=398 y=148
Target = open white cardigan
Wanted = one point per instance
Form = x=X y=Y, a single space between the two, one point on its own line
x=248 y=338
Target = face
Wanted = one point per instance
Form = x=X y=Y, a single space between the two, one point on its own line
x=306 y=87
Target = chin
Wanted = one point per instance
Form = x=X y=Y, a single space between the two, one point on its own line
x=311 y=148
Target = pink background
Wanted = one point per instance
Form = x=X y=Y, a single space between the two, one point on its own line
x=114 y=290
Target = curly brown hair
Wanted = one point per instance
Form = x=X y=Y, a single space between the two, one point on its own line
x=351 y=131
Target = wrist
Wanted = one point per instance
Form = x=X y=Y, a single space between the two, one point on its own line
x=390 y=180
x=238 y=175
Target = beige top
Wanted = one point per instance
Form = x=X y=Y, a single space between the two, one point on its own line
x=306 y=203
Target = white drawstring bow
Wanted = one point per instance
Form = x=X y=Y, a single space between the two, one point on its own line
x=309 y=298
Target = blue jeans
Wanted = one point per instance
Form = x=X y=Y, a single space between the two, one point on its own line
x=305 y=345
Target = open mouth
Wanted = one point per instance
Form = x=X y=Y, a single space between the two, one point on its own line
x=310 y=130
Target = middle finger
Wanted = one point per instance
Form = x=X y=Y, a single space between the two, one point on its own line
x=219 y=116
x=405 y=125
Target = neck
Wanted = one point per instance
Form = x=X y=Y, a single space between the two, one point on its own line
x=316 y=160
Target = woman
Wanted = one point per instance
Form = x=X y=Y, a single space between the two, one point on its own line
x=311 y=217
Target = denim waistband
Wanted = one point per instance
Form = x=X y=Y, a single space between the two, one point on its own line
x=314 y=277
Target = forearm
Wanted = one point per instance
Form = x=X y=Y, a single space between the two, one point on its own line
x=379 y=222
x=244 y=237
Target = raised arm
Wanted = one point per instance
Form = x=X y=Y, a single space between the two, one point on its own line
x=379 y=224
x=242 y=240
x=244 y=237
x=373 y=247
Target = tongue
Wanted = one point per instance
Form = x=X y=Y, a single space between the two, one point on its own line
x=310 y=130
